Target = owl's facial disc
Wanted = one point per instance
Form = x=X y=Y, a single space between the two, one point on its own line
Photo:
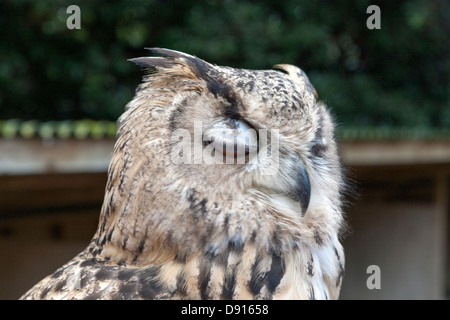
x=232 y=137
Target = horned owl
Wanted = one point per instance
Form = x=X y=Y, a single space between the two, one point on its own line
x=224 y=184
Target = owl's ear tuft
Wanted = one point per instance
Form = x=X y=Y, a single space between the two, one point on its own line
x=297 y=75
x=171 y=61
x=165 y=58
x=281 y=68
x=169 y=53
x=152 y=63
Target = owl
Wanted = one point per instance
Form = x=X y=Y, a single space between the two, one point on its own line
x=224 y=183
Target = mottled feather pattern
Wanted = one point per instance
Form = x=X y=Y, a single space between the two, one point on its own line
x=216 y=231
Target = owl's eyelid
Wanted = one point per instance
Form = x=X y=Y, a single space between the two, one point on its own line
x=232 y=137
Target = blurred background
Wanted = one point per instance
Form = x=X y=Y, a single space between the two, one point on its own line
x=61 y=91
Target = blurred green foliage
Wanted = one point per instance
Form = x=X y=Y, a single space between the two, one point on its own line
x=398 y=76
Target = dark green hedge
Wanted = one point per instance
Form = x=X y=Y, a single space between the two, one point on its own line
x=394 y=77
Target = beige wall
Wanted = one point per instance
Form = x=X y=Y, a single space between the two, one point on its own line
x=400 y=223
x=33 y=247
x=405 y=241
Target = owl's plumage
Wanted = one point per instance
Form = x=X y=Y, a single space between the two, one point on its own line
x=214 y=231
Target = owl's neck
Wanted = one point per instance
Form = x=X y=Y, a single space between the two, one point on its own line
x=249 y=272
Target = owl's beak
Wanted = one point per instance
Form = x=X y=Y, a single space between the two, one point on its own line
x=303 y=189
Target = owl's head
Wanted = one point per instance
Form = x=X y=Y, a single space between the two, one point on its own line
x=209 y=157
